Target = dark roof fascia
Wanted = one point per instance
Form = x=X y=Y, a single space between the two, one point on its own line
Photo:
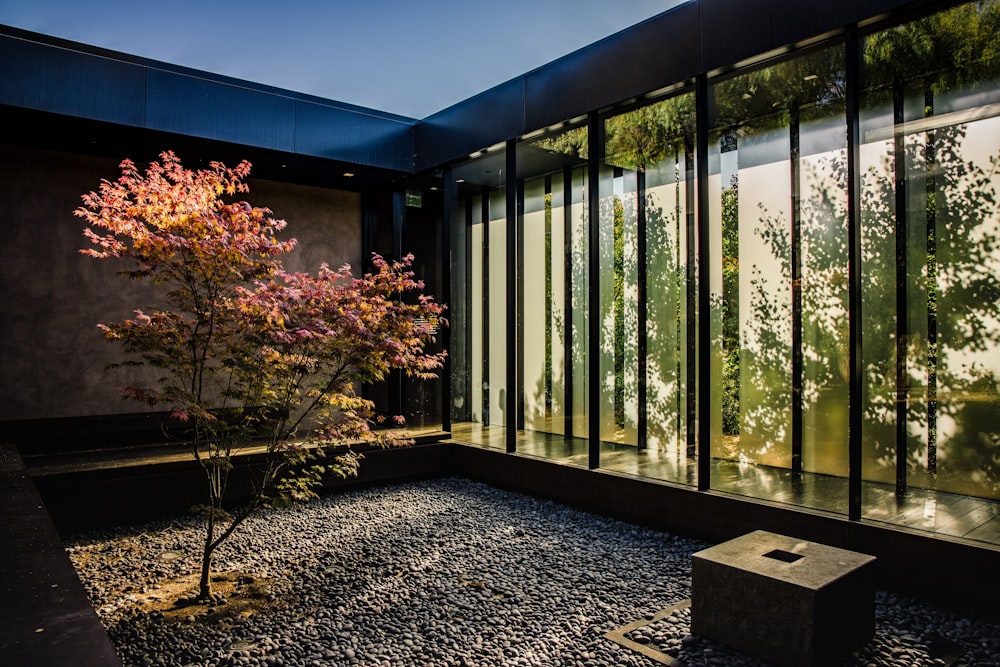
x=671 y=48
x=698 y=37
x=59 y=76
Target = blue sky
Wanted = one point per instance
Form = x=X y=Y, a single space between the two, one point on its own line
x=411 y=57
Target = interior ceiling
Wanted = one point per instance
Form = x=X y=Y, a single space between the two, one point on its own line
x=488 y=170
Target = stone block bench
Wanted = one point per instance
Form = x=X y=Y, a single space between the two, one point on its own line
x=788 y=601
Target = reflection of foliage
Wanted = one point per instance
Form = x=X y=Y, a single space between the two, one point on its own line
x=824 y=301
x=618 y=310
x=950 y=51
x=617 y=214
x=731 y=309
x=647 y=136
x=730 y=265
x=765 y=95
x=565 y=331
x=959 y=47
x=571 y=142
x=756 y=362
x=547 y=374
x=731 y=392
x=666 y=308
x=656 y=143
x=961 y=290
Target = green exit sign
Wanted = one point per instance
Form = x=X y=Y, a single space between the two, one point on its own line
x=414 y=199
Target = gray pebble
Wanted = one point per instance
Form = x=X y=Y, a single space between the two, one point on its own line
x=446 y=572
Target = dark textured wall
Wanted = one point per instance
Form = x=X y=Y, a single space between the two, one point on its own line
x=54 y=358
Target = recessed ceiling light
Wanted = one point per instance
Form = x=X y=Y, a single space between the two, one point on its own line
x=460 y=180
x=348 y=174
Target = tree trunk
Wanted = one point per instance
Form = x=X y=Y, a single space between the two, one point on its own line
x=205 y=584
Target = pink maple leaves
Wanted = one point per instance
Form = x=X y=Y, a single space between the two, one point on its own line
x=233 y=327
x=243 y=350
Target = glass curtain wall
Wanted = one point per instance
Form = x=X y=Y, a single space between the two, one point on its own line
x=618 y=306
x=778 y=176
x=930 y=146
x=648 y=334
x=553 y=306
x=479 y=270
x=778 y=279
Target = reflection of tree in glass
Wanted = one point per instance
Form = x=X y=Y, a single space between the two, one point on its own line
x=964 y=308
x=910 y=67
x=956 y=48
x=547 y=372
x=967 y=241
x=824 y=303
x=731 y=309
x=545 y=395
x=572 y=142
x=639 y=139
x=756 y=363
x=620 y=211
x=658 y=136
x=618 y=309
x=665 y=288
x=763 y=96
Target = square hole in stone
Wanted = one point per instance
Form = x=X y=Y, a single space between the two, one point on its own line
x=784 y=556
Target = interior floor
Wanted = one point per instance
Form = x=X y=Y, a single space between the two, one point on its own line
x=926 y=510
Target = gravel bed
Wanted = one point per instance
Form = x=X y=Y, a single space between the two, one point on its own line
x=444 y=572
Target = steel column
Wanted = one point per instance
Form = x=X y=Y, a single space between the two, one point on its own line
x=445 y=332
x=513 y=303
x=853 y=63
x=702 y=92
x=595 y=151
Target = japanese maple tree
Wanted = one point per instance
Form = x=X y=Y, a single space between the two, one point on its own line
x=249 y=355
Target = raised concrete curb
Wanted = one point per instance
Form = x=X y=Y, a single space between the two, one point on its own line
x=45 y=616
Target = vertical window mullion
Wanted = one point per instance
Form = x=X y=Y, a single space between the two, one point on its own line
x=796 y=265
x=511 y=403
x=568 y=301
x=446 y=226
x=641 y=343
x=853 y=70
x=595 y=138
x=485 y=387
x=902 y=323
x=704 y=406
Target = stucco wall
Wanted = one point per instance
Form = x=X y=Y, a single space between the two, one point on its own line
x=54 y=358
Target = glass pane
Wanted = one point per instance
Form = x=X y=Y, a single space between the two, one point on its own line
x=496 y=349
x=618 y=306
x=540 y=409
x=647 y=230
x=479 y=270
x=779 y=282
x=825 y=348
x=553 y=264
x=931 y=236
x=477 y=312
x=459 y=311
x=579 y=275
